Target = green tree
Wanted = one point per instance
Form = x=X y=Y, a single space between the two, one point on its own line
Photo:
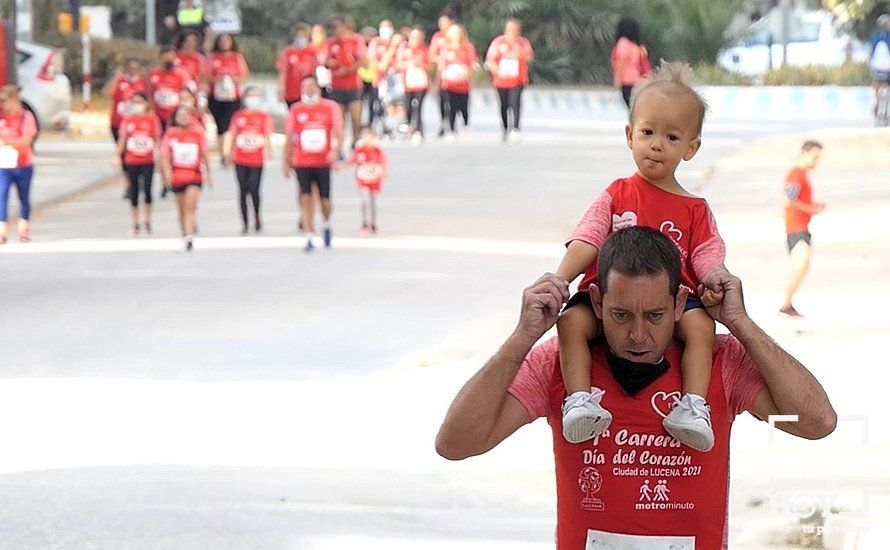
x=687 y=30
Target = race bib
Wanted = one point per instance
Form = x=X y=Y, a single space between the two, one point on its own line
x=508 y=68
x=166 y=99
x=456 y=73
x=324 y=76
x=185 y=155
x=140 y=145
x=225 y=89
x=369 y=172
x=600 y=540
x=249 y=141
x=314 y=140
x=9 y=157
x=415 y=77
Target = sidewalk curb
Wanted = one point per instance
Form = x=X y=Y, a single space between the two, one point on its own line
x=88 y=188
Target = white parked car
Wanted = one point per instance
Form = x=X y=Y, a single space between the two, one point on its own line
x=814 y=39
x=46 y=91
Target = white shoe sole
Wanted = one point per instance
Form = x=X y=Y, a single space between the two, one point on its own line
x=586 y=427
x=689 y=437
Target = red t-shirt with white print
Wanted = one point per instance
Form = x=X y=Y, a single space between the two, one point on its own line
x=249 y=132
x=140 y=134
x=185 y=147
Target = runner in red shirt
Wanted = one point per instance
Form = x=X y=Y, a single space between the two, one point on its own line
x=165 y=82
x=247 y=145
x=413 y=61
x=313 y=134
x=799 y=208
x=635 y=486
x=346 y=52
x=508 y=58
x=457 y=61
x=121 y=88
x=664 y=129
x=18 y=128
x=437 y=44
x=379 y=66
x=140 y=137
x=296 y=61
x=370 y=163
x=228 y=71
x=185 y=166
x=319 y=44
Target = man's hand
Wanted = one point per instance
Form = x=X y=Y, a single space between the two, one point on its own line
x=730 y=311
x=541 y=303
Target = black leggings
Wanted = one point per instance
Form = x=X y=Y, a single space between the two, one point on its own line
x=140 y=176
x=511 y=100
x=249 y=184
x=370 y=101
x=444 y=107
x=415 y=110
x=458 y=103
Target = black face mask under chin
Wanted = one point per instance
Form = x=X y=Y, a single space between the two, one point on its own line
x=632 y=376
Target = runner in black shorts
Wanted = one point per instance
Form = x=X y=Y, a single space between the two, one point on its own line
x=320 y=177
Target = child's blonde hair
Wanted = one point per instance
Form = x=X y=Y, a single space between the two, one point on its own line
x=672 y=78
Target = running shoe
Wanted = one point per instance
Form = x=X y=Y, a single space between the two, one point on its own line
x=515 y=135
x=450 y=138
x=309 y=246
x=690 y=422
x=257 y=224
x=365 y=230
x=189 y=244
x=245 y=230
x=417 y=138
x=583 y=417
x=442 y=130
x=789 y=311
x=134 y=231
x=373 y=229
x=25 y=236
x=328 y=237
x=147 y=228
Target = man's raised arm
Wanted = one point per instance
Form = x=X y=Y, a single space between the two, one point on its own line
x=483 y=414
x=790 y=388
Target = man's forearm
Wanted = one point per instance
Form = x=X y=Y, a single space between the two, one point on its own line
x=471 y=418
x=795 y=391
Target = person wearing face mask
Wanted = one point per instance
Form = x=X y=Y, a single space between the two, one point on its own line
x=413 y=61
x=140 y=138
x=228 y=71
x=165 y=82
x=247 y=145
x=313 y=134
x=296 y=61
x=370 y=170
x=127 y=81
x=18 y=128
x=377 y=49
x=190 y=58
x=186 y=168
x=508 y=58
x=437 y=43
x=346 y=52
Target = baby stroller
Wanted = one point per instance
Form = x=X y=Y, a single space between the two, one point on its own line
x=392 y=120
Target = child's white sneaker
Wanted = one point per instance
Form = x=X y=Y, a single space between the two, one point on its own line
x=690 y=422
x=582 y=416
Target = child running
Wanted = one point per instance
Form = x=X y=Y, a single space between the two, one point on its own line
x=247 y=144
x=665 y=123
x=139 y=136
x=370 y=171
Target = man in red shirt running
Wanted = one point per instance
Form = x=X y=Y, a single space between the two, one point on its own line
x=346 y=52
x=314 y=131
x=635 y=485
x=799 y=209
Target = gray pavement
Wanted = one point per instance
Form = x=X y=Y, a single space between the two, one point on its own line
x=248 y=395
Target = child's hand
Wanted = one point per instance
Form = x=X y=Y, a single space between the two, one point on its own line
x=711 y=298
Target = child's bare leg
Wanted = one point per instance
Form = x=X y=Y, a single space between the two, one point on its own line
x=583 y=417
x=690 y=419
x=575 y=327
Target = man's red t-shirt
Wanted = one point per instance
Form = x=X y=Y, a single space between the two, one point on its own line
x=165 y=87
x=345 y=53
x=225 y=68
x=509 y=58
x=124 y=90
x=370 y=165
x=456 y=68
x=296 y=63
x=311 y=129
x=140 y=133
x=797 y=189
x=636 y=480
x=249 y=132
x=185 y=148
x=634 y=201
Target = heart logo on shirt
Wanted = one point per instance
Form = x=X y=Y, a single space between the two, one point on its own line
x=628 y=219
x=663 y=402
x=668 y=228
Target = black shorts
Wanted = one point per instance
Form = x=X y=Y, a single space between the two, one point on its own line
x=583 y=297
x=794 y=238
x=345 y=97
x=320 y=177
x=183 y=186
